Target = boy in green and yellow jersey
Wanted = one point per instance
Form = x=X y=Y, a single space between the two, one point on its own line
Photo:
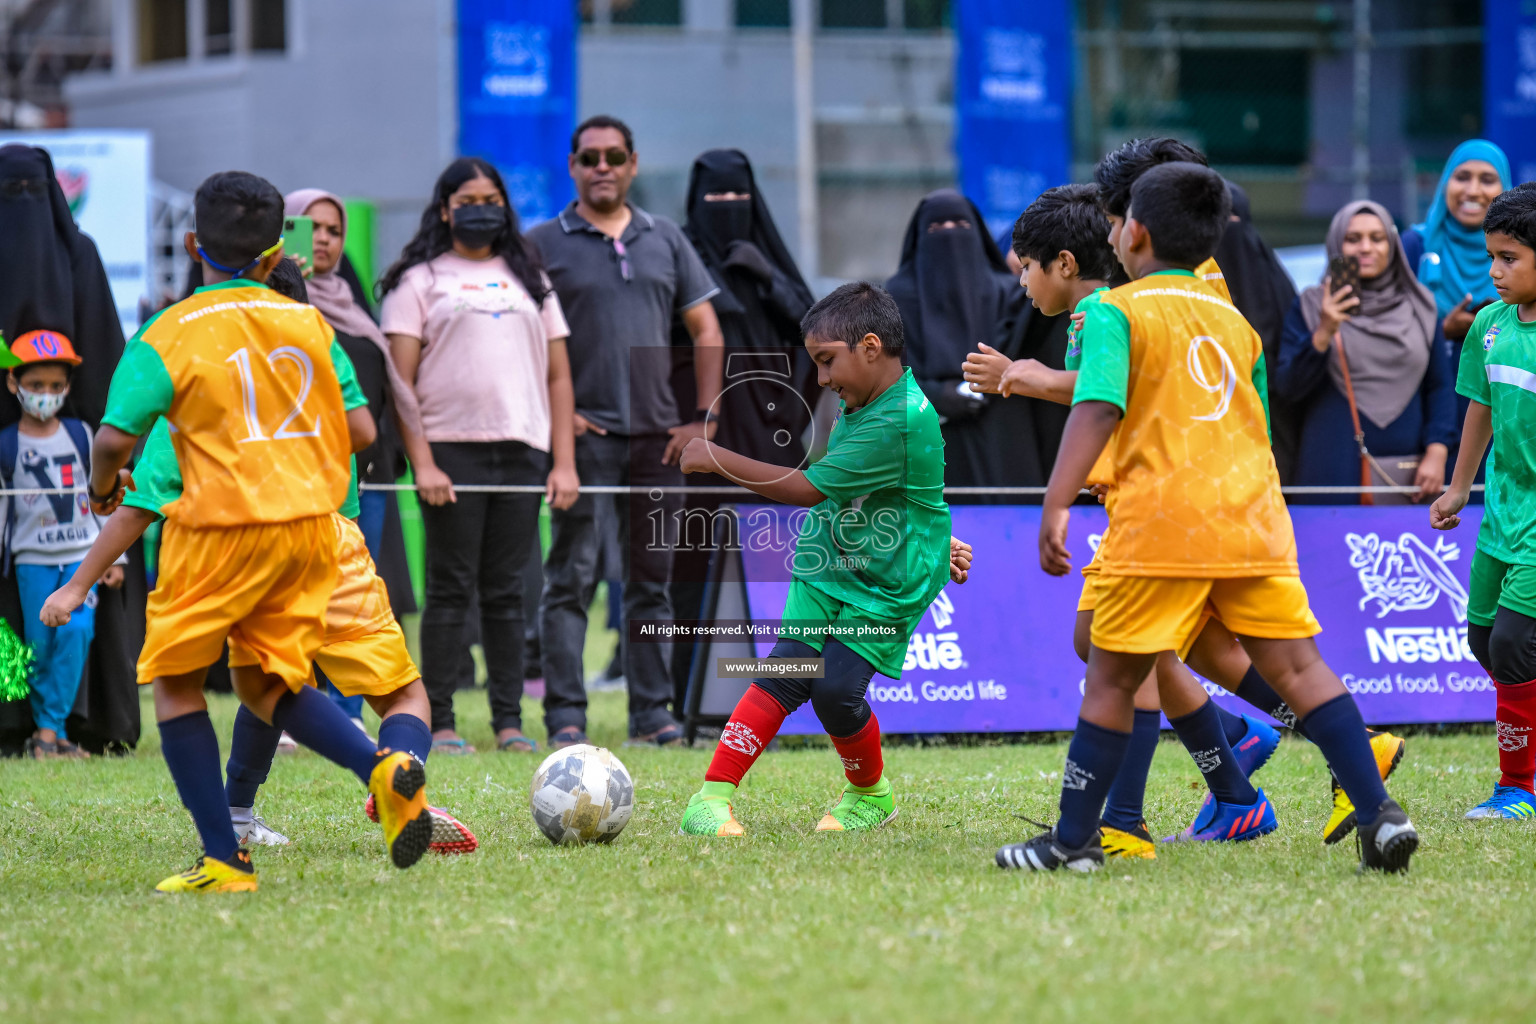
x=248 y=382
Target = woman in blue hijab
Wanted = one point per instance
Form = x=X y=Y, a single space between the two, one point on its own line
x=1447 y=250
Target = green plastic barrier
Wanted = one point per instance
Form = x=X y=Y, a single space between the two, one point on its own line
x=359 y=243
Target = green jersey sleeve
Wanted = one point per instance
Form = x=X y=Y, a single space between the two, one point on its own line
x=352 y=396
x=866 y=456
x=1471 y=372
x=1261 y=385
x=141 y=390
x=156 y=476
x=1106 y=364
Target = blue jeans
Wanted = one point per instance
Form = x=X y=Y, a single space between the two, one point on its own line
x=370 y=520
x=60 y=651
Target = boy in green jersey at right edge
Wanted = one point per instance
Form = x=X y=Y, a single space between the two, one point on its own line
x=872 y=555
x=1498 y=374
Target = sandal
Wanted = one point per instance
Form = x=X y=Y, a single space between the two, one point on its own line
x=41 y=750
x=570 y=736
x=451 y=747
x=71 y=750
x=518 y=744
x=667 y=736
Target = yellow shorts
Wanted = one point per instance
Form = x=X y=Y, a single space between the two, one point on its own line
x=1148 y=614
x=264 y=587
x=363 y=651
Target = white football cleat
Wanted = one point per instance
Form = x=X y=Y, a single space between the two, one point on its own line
x=258 y=833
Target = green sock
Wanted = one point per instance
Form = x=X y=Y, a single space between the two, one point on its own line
x=880 y=788
x=718 y=790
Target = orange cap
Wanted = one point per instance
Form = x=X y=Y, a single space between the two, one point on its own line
x=44 y=347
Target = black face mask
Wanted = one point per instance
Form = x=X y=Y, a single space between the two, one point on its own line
x=727 y=220
x=477 y=226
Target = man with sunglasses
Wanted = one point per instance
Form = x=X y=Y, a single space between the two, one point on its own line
x=622 y=275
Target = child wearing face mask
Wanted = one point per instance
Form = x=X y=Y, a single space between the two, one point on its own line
x=46 y=535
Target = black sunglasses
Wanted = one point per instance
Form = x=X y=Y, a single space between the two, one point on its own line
x=615 y=156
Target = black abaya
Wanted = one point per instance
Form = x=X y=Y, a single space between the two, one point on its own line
x=51 y=277
x=954 y=291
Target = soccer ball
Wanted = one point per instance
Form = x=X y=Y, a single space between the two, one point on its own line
x=582 y=794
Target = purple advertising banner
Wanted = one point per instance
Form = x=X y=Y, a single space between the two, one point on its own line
x=995 y=655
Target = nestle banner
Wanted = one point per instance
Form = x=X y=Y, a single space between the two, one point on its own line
x=995 y=655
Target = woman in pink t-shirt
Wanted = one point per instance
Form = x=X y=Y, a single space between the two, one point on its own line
x=476 y=329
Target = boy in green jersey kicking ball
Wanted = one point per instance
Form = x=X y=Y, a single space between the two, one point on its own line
x=871 y=556
x=1498 y=374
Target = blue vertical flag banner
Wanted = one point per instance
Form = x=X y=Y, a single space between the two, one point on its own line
x=517 y=96
x=1509 y=82
x=1013 y=133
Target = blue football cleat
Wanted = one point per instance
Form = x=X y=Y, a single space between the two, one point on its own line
x=1232 y=823
x=1506 y=802
x=1252 y=751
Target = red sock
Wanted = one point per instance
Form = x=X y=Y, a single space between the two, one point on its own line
x=862 y=761
x=755 y=721
x=1516 y=719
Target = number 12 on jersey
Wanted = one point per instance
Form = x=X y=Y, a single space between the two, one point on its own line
x=241 y=358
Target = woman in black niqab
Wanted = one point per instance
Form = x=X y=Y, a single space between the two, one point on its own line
x=51 y=277
x=955 y=290
x=769 y=391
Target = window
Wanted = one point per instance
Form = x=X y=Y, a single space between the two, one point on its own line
x=218 y=28
x=762 y=13
x=631 y=12
x=269 y=25
x=1249 y=106
x=926 y=14
x=853 y=14
x=162 y=30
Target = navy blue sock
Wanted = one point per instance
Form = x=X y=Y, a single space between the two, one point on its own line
x=315 y=721
x=251 y=750
x=1261 y=695
x=1339 y=732
x=1093 y=758
x=407 y=733
x=1123 y=809
x=191 y=750
x=1232 y=726
x=1206 y=742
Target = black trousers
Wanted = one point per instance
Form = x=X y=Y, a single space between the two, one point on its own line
x=479 y=544
x=570 y=577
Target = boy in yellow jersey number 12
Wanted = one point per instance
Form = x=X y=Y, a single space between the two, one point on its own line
x=364 y=652
x=248 y=382
x=1195 y=516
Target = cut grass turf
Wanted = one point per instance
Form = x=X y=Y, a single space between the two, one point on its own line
x=911 y=923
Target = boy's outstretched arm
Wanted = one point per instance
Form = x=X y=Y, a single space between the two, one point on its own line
x=787 y=486
x=1088 y=429
x=109 y=477
x=121 y=529
x=1476 y=432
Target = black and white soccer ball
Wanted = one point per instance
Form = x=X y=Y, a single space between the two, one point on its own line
x=582 y=794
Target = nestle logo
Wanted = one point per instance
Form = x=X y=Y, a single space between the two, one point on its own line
x=1410 y=645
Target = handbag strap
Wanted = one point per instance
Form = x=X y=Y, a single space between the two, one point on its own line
x=1367 y=460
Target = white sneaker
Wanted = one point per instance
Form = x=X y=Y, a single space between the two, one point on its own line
x=286 y=744
x=258 y=833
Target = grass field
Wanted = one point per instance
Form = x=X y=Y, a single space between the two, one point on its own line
x=912 y=923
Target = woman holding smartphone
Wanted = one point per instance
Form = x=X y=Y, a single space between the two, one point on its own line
x=478 y=332
x=1373 y=350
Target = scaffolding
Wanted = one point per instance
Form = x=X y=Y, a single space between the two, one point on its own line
x=41 y=42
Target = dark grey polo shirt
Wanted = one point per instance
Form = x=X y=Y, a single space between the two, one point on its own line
x=621 y=330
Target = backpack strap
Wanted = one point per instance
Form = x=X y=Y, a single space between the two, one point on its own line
x=10 y=446
x=80 y=437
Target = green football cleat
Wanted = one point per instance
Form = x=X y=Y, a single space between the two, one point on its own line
x=709 y=812
x=861 y=809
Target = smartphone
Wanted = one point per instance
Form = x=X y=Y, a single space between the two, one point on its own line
x=299 y=240
x=1344 y=270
